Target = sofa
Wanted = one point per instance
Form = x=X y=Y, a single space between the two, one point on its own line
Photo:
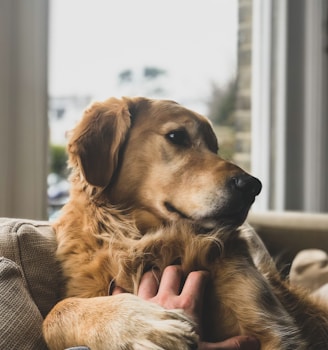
x=31 y=282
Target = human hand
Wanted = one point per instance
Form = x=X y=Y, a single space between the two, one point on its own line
x=240 y=342
x=171 y=294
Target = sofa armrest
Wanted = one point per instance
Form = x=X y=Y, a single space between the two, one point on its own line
x=20 y=319
x=287 y=233
x=30 y=282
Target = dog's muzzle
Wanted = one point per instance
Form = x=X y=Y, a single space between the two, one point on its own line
x=241 y=192
x=248 y=185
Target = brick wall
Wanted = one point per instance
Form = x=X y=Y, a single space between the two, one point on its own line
x=243 y=102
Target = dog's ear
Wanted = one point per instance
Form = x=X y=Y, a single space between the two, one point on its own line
x=96 y=141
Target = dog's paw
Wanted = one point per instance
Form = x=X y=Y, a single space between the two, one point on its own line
x=148 y=326
x=123 y=321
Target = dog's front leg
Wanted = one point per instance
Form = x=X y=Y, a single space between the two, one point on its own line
x=123 y=321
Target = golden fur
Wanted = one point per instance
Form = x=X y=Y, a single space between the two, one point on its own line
x=149 y=190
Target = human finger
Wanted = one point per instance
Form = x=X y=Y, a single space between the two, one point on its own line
x=171 y=280
x=149 y=283
x=192 y=296
x=114 y=289
x=117 y=290
x=235 y=343
x=193 y=289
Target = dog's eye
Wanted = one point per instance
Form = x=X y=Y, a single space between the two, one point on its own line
x=178 y=137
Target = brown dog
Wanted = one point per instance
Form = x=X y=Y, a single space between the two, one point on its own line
x=149 y=190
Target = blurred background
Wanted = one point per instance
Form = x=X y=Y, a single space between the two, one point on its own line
x=258 y=69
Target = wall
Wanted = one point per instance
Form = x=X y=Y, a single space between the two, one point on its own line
x=288 y=109
x=243 y=100
x=23 y=108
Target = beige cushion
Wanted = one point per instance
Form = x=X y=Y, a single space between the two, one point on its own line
x=310 y=271
x=29 y=281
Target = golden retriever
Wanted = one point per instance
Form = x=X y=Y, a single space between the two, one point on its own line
x=147 y=190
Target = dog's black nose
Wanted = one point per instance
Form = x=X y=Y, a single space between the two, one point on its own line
x=250 y=186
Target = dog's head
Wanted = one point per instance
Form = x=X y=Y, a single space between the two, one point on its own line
x=159 y=160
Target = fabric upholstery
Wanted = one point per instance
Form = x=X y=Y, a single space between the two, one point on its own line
x=29 y=281
x=310 y=271
x=20 y=319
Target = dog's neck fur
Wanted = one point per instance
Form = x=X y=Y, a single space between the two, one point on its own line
x=109 y=219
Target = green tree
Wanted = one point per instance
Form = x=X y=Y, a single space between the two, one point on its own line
x=148 y=79
x=222 y=103
x=58 y=160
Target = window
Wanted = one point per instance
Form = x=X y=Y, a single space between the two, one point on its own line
x=289 y=104
x=183 y=50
